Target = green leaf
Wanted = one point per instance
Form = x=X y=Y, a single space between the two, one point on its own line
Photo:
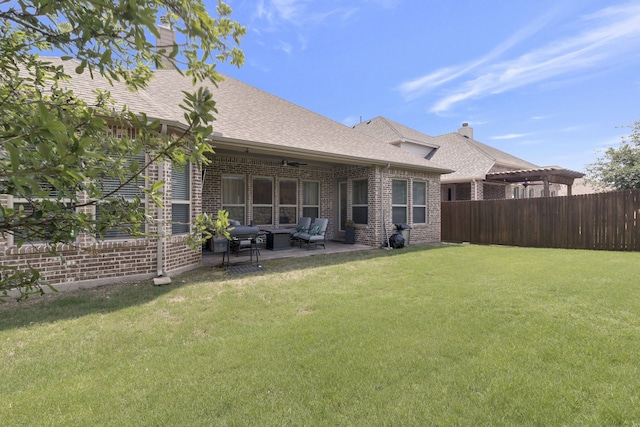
x=55 y=126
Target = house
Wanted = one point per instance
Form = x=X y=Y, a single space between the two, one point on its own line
x=275 y=161
x=480 y=171
x=583 y=186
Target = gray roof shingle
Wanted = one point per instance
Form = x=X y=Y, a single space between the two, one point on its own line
x=248 y=114
x=470 y=159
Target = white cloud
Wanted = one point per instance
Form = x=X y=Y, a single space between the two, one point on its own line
x=295 y=18
x=510 y=136
x=417 y=87
x=385 y=4
x=300 y=13
x=611 y=34
x=285 y=47
x=287 y=9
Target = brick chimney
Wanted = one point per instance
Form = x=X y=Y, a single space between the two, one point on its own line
x=166 y=40
x=466 y=130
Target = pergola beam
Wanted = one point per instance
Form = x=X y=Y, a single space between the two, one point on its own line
x=547 y=175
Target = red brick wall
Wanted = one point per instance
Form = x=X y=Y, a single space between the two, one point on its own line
x=328 y=176
x=117 y=260
x=113 y=260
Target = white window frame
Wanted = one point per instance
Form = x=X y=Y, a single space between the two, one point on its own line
x=304 y=199
x=404 y=205
x=262 y=205
x=359 y=205
x=11 y=204
x=418 y=205
x=238 y=203
x=176 y=173
x=117 y=234
x=294 y=218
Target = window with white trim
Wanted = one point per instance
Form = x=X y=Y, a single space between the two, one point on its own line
x=419 y=202
x=311 y=199
x=360 y=201
x=46 y=195
x=288 y=201
x=233 y=196
x=181 y=198
x=129 y=192
x=399 y=201
x=263 y=201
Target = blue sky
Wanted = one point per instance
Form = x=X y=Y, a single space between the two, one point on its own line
x=553 y=82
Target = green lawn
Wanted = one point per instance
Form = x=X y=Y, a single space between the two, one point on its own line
x=431 y=335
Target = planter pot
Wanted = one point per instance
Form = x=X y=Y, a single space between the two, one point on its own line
x=350 y=235
x=220 y=245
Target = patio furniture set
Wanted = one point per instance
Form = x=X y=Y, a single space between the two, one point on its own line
x=249 y=238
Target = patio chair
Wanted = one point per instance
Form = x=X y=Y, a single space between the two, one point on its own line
x=316 y=234
x=304 y=224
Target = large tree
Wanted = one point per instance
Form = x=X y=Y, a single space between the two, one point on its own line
x=619 y=167
x=56 y=151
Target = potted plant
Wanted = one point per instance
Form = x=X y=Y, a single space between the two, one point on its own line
x=349 y=232
x=220 y=230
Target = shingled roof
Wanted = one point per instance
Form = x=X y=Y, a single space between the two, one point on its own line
x=470 y=159
x=252 y=118
x=391 y=132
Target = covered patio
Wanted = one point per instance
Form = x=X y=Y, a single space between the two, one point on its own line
x=212 y=259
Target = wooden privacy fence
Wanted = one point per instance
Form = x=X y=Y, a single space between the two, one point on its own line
x=606 y=221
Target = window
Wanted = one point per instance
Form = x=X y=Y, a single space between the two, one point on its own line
x=233 y=197
x=181 y=198
x=399 y=201
x=129 y=192
x=419 y=202
x=360 y=201
x=263 y=201
x=40 y=200
x=311 y=199
x=288 y=197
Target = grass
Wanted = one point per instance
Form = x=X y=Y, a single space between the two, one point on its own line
x=449 y=335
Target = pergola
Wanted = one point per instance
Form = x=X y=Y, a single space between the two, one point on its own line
x=546 y=175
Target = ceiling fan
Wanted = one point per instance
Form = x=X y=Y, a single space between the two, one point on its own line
x=293 y=164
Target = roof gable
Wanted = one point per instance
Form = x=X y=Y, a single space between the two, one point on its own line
x=392 y=132
x=470 y=159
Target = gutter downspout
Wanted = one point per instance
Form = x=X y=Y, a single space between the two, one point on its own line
x=160 y=218
x=384 y=223
x=475 y=189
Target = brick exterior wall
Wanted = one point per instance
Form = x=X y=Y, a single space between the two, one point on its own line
x=420 y=233
x=90 y=263
x=476 y=191
x=328 y=176
x=99 y=262
x=494 y=191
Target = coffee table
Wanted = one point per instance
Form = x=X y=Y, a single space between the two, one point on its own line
x=278 y=239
